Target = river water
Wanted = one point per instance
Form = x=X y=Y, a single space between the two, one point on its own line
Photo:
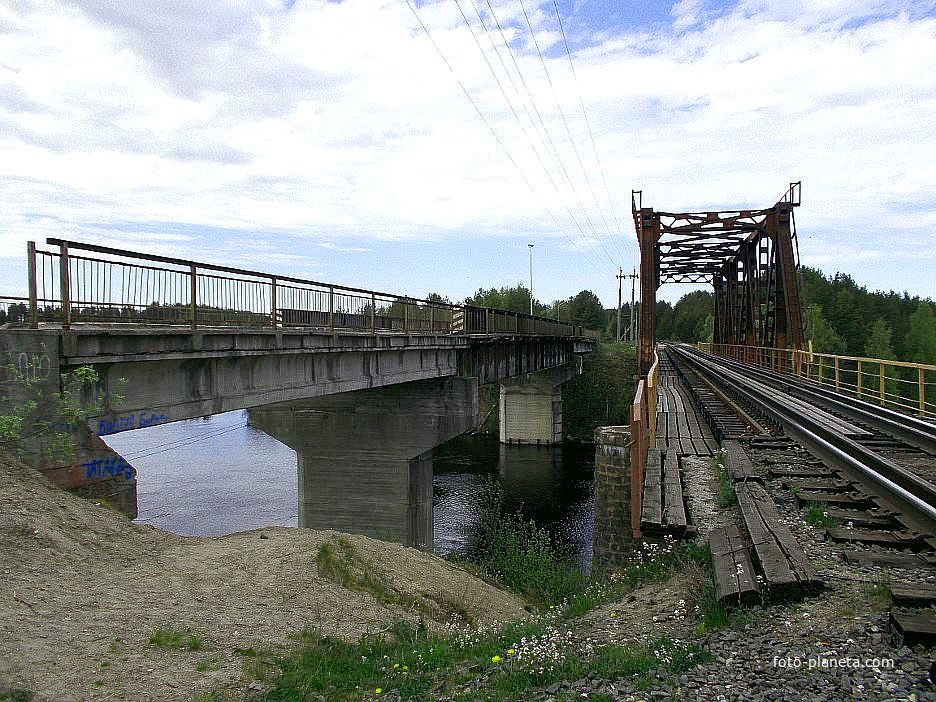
x=219 y=475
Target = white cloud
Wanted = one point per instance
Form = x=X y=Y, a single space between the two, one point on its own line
x=339 y=123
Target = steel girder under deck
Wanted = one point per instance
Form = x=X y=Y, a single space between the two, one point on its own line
x=748 y=256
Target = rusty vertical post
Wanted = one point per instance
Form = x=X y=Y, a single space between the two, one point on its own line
x=649 y=236
x=33 y=294
x=193 y=295
x=788 y=297
x=65 y=284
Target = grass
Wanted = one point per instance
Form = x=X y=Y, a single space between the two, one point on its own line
x=417 y=665
x=714 y=615
x=176 y=639
x=817 y=515
x=521 y=556
x=15 y=695
x=339 y=562
x=880 y=596
x=726 y=493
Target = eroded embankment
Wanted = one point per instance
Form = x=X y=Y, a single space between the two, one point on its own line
x=94 y=607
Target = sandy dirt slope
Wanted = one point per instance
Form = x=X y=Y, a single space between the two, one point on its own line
x=82 y=590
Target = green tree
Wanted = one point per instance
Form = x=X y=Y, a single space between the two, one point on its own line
x=585 y=308
x=878 y=344
x=921 y=335
x=824 y=337
x=35 y=423
x=515 y=299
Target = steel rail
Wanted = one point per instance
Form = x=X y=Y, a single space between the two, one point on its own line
x=916 y=496
x=913 y=430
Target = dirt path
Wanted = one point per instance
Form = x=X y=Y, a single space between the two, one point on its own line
x=82 y=591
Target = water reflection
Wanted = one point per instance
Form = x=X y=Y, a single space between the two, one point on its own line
x=551 y=485
x=217 y=475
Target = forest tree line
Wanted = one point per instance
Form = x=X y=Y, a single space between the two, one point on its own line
x=841 y=317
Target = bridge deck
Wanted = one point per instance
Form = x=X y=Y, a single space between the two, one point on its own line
x=679 y=426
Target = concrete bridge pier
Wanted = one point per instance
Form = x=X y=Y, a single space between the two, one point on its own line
x=530 y=405
x=365 y=457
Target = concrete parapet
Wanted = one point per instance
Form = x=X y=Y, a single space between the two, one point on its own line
x=613 y=541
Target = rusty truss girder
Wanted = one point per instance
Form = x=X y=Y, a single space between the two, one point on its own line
x=749 y=257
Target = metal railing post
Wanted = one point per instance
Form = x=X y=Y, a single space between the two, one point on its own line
x=33 y=296
x=64 y=278
x=859 y=380
x=193 y=296
x=838 y=382
x=883 y=401
x=405 y=316
x=820 y=369
x=922 y=393
x=273 y=302
x=331 y=308
x=431 y=319
x=373 y=313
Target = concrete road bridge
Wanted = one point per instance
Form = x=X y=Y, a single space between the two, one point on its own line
x=362 y=384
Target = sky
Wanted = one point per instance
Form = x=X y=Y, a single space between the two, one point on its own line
x=421 y=146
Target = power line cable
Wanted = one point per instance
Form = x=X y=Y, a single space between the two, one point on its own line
x=542 y=123
x=478 y=110
x=517 y=116
x=566 y=124
x=172 y=446
x=591 y=135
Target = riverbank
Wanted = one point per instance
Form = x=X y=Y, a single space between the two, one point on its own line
x=95 y=607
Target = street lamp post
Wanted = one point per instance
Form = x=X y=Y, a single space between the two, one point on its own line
x=531 y=278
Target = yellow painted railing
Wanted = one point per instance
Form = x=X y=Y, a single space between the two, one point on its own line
x=901 y=385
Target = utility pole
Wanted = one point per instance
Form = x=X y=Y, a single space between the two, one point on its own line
x=633 y=312
x=531 y=279
x=620 y=275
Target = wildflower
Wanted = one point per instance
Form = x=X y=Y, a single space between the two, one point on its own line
x=511 y=651
x=405 y=667
x=396 y=665
x=378 y=691
x=495 y=659
x=612 y=615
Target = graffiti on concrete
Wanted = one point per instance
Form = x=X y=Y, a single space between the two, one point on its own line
x=35 y=366
x=110 y=467
x=125 y=422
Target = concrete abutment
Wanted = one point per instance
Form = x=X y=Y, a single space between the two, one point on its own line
x=365 y=457
x=530 y=405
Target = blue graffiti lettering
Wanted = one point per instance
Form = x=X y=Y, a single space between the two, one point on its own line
x=130 y=421
x=109 y=467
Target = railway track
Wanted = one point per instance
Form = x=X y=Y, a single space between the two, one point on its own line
x=867 y=469
x=890 y=456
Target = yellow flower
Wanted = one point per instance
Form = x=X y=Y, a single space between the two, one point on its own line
x=511 y=651
x=396 y=665
x=378 y=691
x=405 y=667
x=495 y=659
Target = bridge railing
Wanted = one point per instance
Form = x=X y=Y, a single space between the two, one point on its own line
x=901 y=385
x=642 y=437
x=76 y=283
